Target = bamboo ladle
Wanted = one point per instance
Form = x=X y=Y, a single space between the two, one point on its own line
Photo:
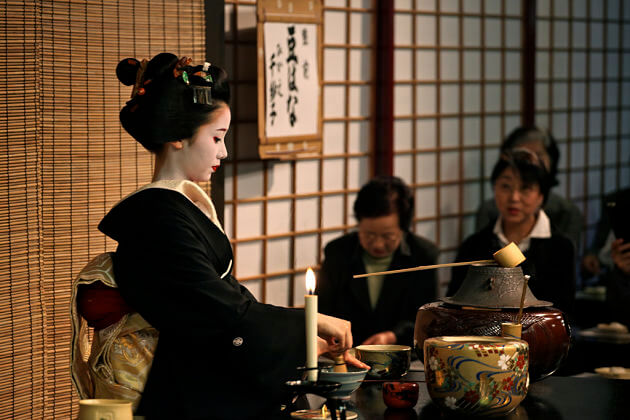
x=508 y=256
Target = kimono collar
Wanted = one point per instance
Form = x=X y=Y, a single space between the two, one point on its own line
x=541 y=229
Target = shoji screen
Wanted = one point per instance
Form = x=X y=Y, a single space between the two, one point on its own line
x=64 y=162
x=279 y=214
x=583 y=96
x=457 y=93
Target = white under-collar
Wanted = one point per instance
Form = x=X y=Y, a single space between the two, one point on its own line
x=541 y=229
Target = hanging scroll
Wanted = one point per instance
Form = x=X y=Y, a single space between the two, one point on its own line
x=289 y=79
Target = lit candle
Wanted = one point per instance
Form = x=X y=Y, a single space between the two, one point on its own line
x=310 y=307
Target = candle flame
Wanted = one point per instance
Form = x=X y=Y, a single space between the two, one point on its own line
x=310 y=281
x=324 y=411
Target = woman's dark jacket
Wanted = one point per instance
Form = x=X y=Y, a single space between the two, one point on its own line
x=550 y=262
x=221 y=354
x=342 y=296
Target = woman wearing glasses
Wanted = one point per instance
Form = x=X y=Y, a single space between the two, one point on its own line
x=382 y=309
x=521 y=185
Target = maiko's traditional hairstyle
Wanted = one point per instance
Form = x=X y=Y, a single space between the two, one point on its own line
x=385 y=195
x=171 y=98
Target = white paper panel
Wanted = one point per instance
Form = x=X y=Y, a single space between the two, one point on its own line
x=334 y=137
x=449 y=30
x=255 y=287
x=577 y=154
x=594 y=123
x=278 y=216
x=425 y=30
x=334 y=27
x=306 y=176
x=426 y=99
x=359 y=101
x=426 y=167
x=332 y=209
x=403 y=165
x=611 y=123
x=278 y=254
x=472 y=97
x=334 y=64
x=426 y=229
x=472 y=31
x=358 y=171
x=449 y=166
x=493 y=7
x=248 y=259
x=512 y=33
x=449 y=97
x=279 y=179
x=611 y=152
x=449 y=65
x=449 y=132
x=542 y=33
x=278 y=291
x=449 y=5
x=402 y=99
x=402 y=28
x=492 y=97
x=249 y=181
x=492 y=65
x=426 y=202
x=426 y=130
x=360 y=64
x=472 y=195
x=449 y=230
x=358 y=136
x=333 y=174
x=493 y=130
x=305 y=251
x=403 y=64
x=493 y=32
x=306 y=213
x=249 y=216
x=560 y=95
x=578 y=120
x=513 y=65
x=334 y=101
x=426 y=65
x=472 y=65
x=403 y=136
x=472 y=164
x=512 y=97
x=472 y=131
x=360 y=25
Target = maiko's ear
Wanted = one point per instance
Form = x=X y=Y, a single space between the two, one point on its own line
x=178 y=144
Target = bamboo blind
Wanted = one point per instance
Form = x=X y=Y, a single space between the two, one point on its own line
x=457 y=87
x=582 y=88
x=284 y=228
x=65 y=162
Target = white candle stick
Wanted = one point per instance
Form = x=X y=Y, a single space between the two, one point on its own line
x=310 y=307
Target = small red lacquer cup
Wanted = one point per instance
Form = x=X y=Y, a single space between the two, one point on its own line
x=400 y=394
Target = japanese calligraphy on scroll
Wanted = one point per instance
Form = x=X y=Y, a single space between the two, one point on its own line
x=291 y=79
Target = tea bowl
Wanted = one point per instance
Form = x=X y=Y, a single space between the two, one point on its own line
x=400 y=394
x=386 y=361
x=476 y=375
x=97 y=409
x=350 y=381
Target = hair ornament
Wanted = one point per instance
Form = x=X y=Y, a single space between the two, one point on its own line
x=138 y=88
x=206 y=66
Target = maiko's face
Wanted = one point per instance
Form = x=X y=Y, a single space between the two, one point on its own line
x=202 y=154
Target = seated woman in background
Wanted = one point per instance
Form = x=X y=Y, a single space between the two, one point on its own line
x=562 y=213
x=382 y=309
x=521 y=185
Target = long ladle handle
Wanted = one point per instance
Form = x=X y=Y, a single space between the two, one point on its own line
x=424 y=267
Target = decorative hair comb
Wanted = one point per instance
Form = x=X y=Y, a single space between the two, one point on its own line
x=202 y=94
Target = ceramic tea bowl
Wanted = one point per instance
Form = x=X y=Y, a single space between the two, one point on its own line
x=387 y=361
x=97 y=409
x=350 y=380
x=476 y=375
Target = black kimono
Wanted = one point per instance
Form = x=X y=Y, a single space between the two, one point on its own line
x=345 y=297
x=550 y=262
x=221 y=354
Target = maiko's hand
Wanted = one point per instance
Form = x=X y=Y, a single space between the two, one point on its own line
x=324 y=349
x=590 y=263
x=620 y=253
x=384 y=337
x=335 y=331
